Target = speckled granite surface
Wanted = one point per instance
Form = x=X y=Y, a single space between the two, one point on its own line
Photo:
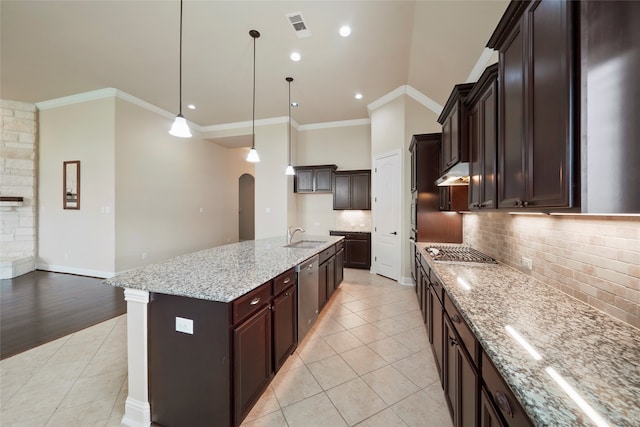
x=222 y=273
x=354 y=229
x=597 y=355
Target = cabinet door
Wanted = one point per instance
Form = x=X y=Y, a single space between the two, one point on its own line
x=488 y=415
x=512 y=135
x=322 y=285
x=444 y=198
x=445 y=152
x=475 y=157
x=361 y=191
x=304 y=181
x=549 y=148
x=331 y=277
x=358 y=254
x=438 y=332
x=449 y=369
x=323 y=180
x=339 y=268
x=467 y=385
x=489 y=137
x=285 y=326
x=252 y=361
x=342 y=192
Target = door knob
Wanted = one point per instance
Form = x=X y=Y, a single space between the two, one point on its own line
x=394 y=233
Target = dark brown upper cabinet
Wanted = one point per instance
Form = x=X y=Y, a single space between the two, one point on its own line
x=482 y=108
x=352 y=190
x=313 y=179
x=536 y=105
x=455 y=147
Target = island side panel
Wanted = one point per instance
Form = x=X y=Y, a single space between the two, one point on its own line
x=189 y=374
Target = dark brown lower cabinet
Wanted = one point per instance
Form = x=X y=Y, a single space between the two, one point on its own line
x=285 y=326
x=357 y=249
x=252 y=361
x=339 y=267
x=437 y=331
x=488 y=415
x=461 y=381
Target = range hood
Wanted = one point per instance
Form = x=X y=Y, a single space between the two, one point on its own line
x=456 y=175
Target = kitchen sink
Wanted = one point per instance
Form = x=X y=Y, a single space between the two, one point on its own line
x=305 y=244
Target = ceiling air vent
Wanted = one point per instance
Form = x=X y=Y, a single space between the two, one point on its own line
x=297 y=23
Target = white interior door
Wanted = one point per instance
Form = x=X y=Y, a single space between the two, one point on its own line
x=386 y=205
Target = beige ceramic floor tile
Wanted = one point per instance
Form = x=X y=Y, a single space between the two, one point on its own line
x=327 y=326
x=386 y=418
x=331 y=372
x=103 y=388
x=343 y=341
x=363 y=360
x=420 y=368
x=29 y=422
x=316 y=348
x=368 y=333
x=415 y=339
x=355 y=401
x=420 y=410
x=390 y=384
x=267 y=404
x=274 y=419
x=350 y=321
x=292 y=362
x=315 y=411
x=95 y=413
x=40 y=402
x=391 y=326
x=390 y=349
x=294 y=385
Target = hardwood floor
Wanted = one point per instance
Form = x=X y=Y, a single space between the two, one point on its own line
x=41 y=306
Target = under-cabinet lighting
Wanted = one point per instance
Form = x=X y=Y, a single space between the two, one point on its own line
x=586 y=408
x=523 y=343
x=529 y=213
x=463 y=283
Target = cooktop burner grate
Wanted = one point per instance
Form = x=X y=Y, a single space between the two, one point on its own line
x=458 y=254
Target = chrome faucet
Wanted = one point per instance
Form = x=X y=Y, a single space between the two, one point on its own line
x=291 y=233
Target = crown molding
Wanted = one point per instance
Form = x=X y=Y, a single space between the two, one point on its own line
x=481 y=64
x=409 y=91
x=339 y=124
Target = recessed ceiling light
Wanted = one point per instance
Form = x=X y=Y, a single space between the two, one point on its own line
x=345 y=31
x=294 y=104
x=358 y=95
x=295 y=56
x=191 y=107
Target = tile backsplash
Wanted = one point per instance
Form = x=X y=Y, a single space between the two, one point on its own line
x=595 y=259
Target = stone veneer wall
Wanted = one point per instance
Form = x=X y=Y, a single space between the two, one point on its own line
x=18 y=178
x=594 y=259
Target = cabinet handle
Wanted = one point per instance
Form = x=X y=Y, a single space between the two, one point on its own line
x=286 y=294
x=455 y=318
x=287 y=280
x=503 y=403
x=255 y=301
x=525 y=204
x=452 y=341
x=310 y=266
x=517 y=203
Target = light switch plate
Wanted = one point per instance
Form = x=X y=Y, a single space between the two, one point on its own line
x=184 y=325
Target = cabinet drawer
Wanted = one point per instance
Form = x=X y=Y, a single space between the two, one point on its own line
x=424 y=263
x=250 y=303
x=436 y=285
x=502 y=396
x=463 y=330
x=339 y=245
x=283 y=281
x=327 y=253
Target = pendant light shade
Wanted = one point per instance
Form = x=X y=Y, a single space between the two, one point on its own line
x=180 y=128
x=289 y=170
x=253 y=156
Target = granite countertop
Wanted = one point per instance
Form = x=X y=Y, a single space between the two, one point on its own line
x=354 y=229
x=597 y=355
x=223 y=273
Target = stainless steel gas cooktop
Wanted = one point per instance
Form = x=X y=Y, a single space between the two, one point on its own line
x=458 y=254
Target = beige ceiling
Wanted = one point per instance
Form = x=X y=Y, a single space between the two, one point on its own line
x=51 y=49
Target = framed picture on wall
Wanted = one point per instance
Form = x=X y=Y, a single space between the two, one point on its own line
x=71 y=184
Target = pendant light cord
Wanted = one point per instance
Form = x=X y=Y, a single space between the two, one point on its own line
x=289 y=127
x=253 y=121
x=180 y=72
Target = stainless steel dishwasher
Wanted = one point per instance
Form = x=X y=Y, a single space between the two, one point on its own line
x=307 y=295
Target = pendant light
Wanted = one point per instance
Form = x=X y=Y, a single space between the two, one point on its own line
x=180 y=128
x=253 y=154
x=289 y=170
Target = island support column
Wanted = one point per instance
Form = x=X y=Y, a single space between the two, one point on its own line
x=137 y=412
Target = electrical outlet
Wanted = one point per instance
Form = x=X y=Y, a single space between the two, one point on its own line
x=526 y=263
x=144 y=255
x=184 y=325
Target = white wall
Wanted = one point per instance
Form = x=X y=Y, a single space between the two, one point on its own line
x=347 y=147
x=80 y=241
x=173 y=195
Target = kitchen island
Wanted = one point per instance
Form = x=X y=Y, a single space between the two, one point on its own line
x=207 y=289
x=566 y=362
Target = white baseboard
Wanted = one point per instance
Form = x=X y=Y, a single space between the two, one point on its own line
x=74 y=270
x=136 y=413
x=406 y=281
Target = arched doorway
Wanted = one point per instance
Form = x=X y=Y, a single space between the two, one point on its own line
x=246 y=208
